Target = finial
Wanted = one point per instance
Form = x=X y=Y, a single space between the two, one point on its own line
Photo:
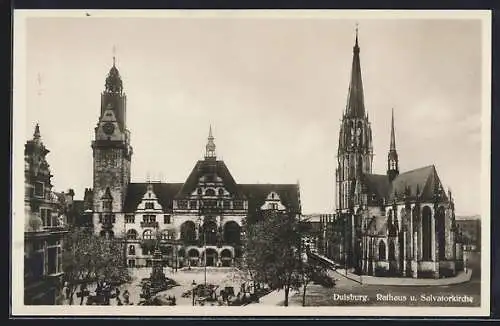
x=36 y=134
x=210 y=132
x=114 y=55
x=357 y=29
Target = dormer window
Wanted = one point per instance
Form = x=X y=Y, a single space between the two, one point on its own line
x=238 y=204
x=150 y=205
x=39 y=189
x=199 y=191
x=221 y=192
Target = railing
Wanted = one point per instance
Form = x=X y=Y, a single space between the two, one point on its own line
x=149 y=224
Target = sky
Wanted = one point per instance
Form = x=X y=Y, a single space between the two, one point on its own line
x=273 y=90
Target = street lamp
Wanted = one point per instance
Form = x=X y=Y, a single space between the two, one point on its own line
x=193 y=287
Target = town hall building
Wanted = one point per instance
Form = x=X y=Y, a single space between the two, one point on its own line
x=198 y=222
x=396 y=223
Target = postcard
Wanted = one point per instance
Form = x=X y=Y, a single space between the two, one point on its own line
x=251 y=163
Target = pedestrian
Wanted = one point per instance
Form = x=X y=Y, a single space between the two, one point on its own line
x=126 y=297
x=83 y=289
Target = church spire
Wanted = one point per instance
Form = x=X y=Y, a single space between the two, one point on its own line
x=210 y=148
x=355 y=98
x=393 y=137
x=392 y=158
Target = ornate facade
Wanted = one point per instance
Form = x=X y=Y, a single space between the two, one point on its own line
x=200 y=221
x=45 y=227
x=395 y=223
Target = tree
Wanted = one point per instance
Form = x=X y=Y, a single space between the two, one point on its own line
x=88 y=258
x=272 y=252
x=310 y=271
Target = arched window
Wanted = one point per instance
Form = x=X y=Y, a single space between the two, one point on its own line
x=441 y=233
x=199 y=191
x=392 y=251
x=381 y=251
x=221 y=192
x=131 y=250
x=209 y=192
x=131 y=234
x=426 y=233
x=147 y=235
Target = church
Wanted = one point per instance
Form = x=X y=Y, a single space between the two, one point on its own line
x=200 y=222
x=396 y=223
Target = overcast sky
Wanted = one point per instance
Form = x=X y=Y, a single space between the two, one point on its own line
x=273 y=90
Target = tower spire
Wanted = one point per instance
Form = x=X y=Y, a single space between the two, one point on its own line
x=392 y=158
x=210 y=148
x=355 y=99
x=393 y=137
x=114 y=55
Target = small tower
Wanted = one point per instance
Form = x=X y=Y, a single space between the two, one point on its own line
x=210 y=148
x=392 y=158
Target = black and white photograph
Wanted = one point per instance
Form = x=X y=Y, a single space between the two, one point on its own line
x=254 y=163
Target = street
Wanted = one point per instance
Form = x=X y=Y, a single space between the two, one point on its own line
x=347 y=292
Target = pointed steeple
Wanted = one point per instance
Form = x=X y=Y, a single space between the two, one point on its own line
x=392 y=158
x=355 y=99
x=393 y=137
x=210 y=148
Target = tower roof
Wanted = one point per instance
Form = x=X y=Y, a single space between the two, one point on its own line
x=114 y=82
x=210 y=148
x=355 y=98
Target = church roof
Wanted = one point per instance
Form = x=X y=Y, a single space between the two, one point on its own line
x=165 y=193
x=207 y=167
x=423 y=181
x=377 y=184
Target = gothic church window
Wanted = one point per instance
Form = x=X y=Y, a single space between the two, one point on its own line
x=381 y=251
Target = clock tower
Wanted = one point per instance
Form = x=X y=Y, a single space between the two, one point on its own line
x=112 y=156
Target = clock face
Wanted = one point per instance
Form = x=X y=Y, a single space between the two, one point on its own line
x=109 y=128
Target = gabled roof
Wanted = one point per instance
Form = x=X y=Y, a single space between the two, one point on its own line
x=165 y=193
x=256 y=195
x=207 y=167
x=425 y=180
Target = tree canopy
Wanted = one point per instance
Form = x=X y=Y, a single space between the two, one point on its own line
x=88 y=258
